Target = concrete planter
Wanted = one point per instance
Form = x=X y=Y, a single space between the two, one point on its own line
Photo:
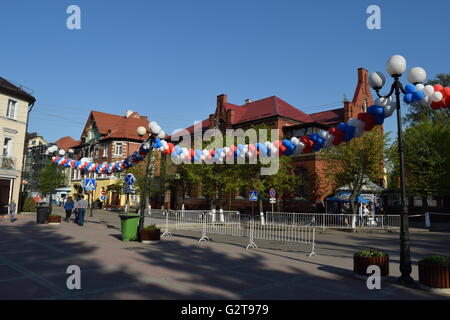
x=434 y=277
x=151 y=236
x=360 y=265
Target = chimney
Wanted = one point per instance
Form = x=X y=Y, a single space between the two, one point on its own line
x=363 y=79
x=247 y=101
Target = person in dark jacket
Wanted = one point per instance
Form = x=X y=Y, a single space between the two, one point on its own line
x=68 y=207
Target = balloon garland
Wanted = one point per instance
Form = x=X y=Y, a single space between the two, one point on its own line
x=436 y=97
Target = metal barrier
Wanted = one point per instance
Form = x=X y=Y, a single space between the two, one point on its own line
x=335 y=221
x=282 y=229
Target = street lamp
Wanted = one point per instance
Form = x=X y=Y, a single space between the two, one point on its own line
x=154 y=132
x=396 y=66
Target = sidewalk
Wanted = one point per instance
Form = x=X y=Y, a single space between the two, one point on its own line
x=34 y=259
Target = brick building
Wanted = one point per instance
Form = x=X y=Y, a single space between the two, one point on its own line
x=105 y=138
x=290 y=121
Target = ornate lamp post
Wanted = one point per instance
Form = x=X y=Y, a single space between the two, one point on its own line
x=396 y=66
x=154 y=132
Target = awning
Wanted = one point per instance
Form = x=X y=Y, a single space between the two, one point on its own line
x=345 y=197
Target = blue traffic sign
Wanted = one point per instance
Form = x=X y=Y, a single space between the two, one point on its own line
x=253 y=196
x=102 y=198
x=130 y=179
x=90 y=184
x=272 y=193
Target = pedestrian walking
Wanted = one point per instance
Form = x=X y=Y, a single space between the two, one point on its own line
x=81 y=206
x=69 y=206
x=12 y=210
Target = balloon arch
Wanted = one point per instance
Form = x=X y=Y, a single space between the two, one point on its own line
x=436 y=97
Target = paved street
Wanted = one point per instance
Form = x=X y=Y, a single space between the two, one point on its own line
x=34 y=259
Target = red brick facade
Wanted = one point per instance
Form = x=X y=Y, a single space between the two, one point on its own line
x=290 y=121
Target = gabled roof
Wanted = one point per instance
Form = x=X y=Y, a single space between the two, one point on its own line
x=111 y=126
x=265 y=108
x=66 y=143
x=329 y=117
x=12 y=90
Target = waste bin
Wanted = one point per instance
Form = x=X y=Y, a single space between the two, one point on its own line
x=129 y=226
x=42 y=214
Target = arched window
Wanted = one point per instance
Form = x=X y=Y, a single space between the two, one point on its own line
x=301 y=189
x=364 y=107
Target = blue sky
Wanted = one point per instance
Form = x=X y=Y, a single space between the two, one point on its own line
x=170 y=59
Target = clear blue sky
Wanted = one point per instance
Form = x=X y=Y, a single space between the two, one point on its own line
x=170 y=59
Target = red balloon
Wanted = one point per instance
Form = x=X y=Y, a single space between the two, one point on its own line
x=212 y=152
x=276 y=143
x=438 y=87
x=446 y=92
x=252 y=147
x=282 y=149
x=435 y=105
x=192 y=153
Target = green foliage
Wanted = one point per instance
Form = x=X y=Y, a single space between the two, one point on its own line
x=29 y=205
x=370 y=253
x=151 y=227
x=50 y=178
x=437 y=260
x=427 y=160
x=354 y=162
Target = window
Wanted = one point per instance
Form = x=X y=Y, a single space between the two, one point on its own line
x=105 y=150
x=301 y=190
x=118 y=149
x=7 y=146
x=417 y=201
x=11 y=109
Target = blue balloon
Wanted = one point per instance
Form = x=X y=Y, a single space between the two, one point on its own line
x=418 y=95
x=410 y=88
x=408 y=98
x=349 y=134
x=343 y=126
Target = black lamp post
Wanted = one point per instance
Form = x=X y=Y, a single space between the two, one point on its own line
x=154 y=132
x=396 y=66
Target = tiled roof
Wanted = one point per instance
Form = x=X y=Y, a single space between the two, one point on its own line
x=10 y=89
x=329 y=117
x=112 y=126
x=66 y=143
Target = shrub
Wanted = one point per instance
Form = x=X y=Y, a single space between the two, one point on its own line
x=151 y=227
x=371 y=252
x=437 y=260
x=29 y=205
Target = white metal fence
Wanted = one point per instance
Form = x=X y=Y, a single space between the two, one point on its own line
x=334 y=221
x=233 y=224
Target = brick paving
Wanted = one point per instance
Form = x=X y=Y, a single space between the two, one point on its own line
x=34 y=259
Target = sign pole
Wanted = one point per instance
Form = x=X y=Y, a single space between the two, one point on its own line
x=90 y=200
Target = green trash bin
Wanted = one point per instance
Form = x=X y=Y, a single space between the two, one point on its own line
x=129 y=226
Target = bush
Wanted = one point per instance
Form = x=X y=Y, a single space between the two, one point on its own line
x=151 y=227
x=437 y=260
x=29 y=205
x=369 y=253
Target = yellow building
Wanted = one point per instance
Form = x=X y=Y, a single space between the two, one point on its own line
x=105 y=138
x=15 y=105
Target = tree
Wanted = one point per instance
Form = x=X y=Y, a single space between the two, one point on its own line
x=51 y=177
x=352 y=163
x=427 y=160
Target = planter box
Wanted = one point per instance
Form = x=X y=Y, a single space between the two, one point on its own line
x=54 y=219
x=360 y=265
x=434 y=277
x=151 y=236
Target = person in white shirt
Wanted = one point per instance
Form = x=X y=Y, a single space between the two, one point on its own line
x=81 y=206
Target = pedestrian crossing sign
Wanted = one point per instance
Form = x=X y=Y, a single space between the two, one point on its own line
x=253 y=196
x=90 y=184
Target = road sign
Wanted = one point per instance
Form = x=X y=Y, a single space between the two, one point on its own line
x=103 y=192
x=130 y=179
x=90 y=184
x=273 y=200
x=253 y=196
x=128 y=189
x=272 y=193
x=102 y=198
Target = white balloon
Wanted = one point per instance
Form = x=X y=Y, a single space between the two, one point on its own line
x=322 y=134
x=437 y=96
x=161 y=134
x=389 y=110
x=420 y=87
x=156 y=130
x=428 y=90
x=62 y=152
x=152 y=125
